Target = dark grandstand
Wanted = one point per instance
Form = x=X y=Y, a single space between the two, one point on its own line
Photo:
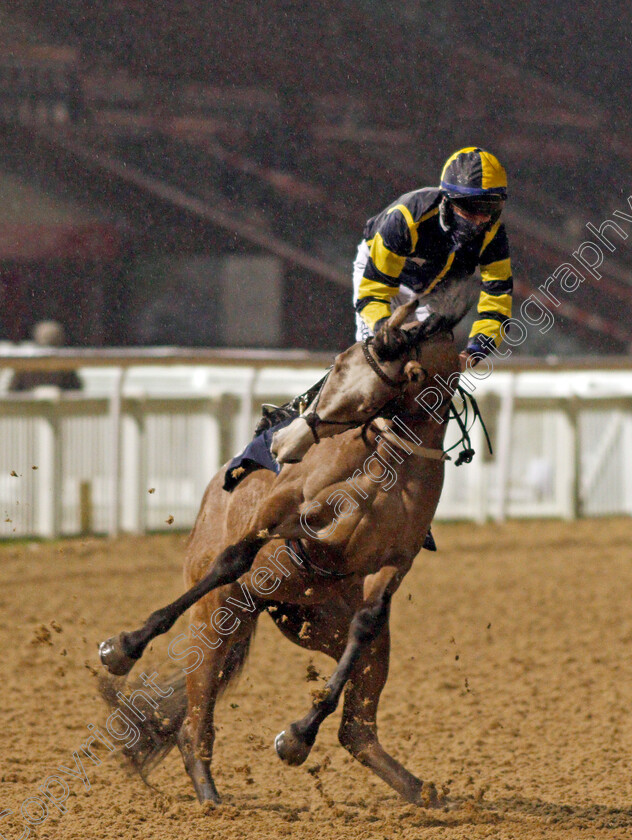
x=193 y=163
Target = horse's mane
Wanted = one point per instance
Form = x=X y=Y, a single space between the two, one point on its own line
x=433 y=325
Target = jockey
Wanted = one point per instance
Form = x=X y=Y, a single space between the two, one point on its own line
x=429 y=242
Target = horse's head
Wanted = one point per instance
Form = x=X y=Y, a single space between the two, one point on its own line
x=361 y=383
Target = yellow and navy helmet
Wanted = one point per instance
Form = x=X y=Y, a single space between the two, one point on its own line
x=474 y=175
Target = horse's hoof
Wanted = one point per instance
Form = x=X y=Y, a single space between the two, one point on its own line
x=291 y=748
x=114 y=658
x=429 y=796
x=207 y=794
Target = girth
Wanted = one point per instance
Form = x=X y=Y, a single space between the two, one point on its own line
x=310 y=567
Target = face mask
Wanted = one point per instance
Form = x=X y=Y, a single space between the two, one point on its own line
x=460 y=230
x=463 y=231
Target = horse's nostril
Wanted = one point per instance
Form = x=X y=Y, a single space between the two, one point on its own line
x=369 y=408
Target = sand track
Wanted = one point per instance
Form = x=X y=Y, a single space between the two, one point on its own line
x=511 y=682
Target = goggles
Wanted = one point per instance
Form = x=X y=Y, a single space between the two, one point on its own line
x=479 y=204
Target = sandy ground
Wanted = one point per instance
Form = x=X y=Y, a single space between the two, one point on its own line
x=510 y=683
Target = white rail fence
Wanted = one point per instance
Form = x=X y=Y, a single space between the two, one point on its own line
x=135 y=449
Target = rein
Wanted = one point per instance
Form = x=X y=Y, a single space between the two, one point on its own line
x=467 y=453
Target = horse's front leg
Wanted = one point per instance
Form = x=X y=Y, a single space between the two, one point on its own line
x=120 y=653
x=294 y=744
x=358 y=727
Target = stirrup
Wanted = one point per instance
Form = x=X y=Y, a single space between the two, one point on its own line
x=273 y=414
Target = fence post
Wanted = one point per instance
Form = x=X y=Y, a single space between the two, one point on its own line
x=627 y=457
x=478 y=469
x=114 y=519
x=49 y=480
x=133 y=492
x=569 y=461
x=244 y=425
x=503 y=457
x=209 y=461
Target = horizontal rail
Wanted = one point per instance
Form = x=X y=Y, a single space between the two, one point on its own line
x=134 y=450
x=36 y=359
x=33 y=359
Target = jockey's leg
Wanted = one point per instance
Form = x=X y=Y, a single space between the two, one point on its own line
x=359 y=264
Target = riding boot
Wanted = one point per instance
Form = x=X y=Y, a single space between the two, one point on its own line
x=273 y=414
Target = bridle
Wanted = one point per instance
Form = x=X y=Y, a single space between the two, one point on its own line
x=314 y=420
x=374 y=364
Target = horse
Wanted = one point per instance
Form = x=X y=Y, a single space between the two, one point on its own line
x=322 y=547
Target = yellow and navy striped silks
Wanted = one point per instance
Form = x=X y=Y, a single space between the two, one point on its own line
x=408 y=246
x=494 y=303
x=474 y=172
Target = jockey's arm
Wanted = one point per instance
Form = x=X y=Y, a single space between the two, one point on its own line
x=494 y=303
x=388 y=249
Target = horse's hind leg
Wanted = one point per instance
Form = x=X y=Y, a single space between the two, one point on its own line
x=197 y=734
x=294 y=744
x=120 y=653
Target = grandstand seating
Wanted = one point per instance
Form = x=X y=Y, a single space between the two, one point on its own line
x=211 y=100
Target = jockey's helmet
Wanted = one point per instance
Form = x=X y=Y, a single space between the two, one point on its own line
x=474 y=187
x=475 y=180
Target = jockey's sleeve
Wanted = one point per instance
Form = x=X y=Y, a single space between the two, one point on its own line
x=494 y=302
x=388 y=248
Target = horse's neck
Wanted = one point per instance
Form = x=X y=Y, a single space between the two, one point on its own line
x=418 y=428
x=423 y=423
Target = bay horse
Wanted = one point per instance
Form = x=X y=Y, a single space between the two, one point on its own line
x=322 y=547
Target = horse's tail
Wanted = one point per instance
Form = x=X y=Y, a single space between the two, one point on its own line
x=158 y=732
x=235 y=661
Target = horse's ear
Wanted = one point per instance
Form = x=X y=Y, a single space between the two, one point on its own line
x=414 y=372
x=401 y=313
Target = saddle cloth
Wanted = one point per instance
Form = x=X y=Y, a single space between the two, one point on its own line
x=255 y=456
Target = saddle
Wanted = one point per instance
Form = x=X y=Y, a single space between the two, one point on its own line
x=256 y=455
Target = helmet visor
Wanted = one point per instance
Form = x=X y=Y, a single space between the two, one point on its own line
x=479 y=204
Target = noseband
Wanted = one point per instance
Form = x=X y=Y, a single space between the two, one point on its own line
x=314 y=420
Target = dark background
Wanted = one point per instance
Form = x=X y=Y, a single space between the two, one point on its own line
x=151 y=150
